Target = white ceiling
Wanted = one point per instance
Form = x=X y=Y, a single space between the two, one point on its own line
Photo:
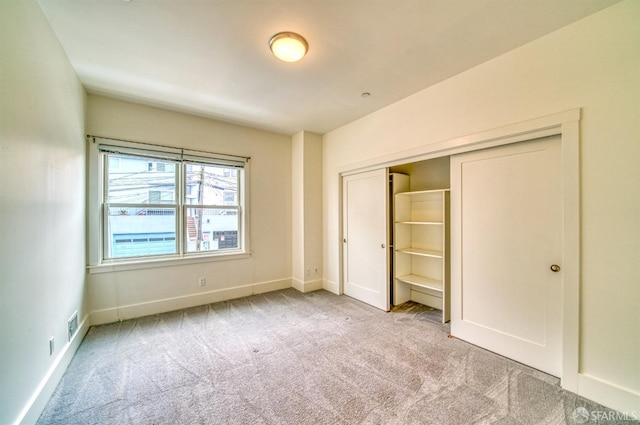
x=211 y=57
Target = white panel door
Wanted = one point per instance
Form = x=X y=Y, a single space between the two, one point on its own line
x=365 y=237
x=506 y=206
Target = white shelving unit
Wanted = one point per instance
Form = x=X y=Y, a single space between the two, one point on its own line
x=421 y=249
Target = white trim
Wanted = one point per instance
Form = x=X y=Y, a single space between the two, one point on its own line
x=38 y=401
x=331 y=286
x=570 y=148
x=132 y=311
x=566 y=125
x=152 y=263
x=340 y=283
x=308 y=286
x=609 y=394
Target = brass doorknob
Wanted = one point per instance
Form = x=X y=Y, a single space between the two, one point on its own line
x=555 y=268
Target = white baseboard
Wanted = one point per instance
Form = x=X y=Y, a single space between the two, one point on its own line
x=608 y=394
x=308 y=286
x=36 y=404
x=331 y=286
x=132 y=311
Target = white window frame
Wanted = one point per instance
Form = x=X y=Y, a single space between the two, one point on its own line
x=96 y=175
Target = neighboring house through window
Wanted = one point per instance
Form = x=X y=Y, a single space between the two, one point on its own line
x=156 y=202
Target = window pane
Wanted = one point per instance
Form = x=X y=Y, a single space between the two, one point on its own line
x=140 y=231
x=140 y=181
x=211 y=229
x=211 y=185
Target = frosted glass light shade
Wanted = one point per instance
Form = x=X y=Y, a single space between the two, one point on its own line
x=288 y=46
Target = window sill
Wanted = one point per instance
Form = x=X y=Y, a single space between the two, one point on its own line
x=109 y=267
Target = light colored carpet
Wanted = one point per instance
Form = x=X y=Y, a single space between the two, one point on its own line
x=292 y=358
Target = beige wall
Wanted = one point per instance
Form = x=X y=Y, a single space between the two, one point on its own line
x=307 y=210
x=297 y=208
x=426 y=175
x=313 y=209
x=42 y=197
x=122 y=294
x=593 y=64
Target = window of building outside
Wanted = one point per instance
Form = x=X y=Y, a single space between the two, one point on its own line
x=157 y=204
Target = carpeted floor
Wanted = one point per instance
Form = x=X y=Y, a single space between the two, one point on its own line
x=292 y=358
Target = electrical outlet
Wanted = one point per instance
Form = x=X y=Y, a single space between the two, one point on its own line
x=315 y=270
x=202 y=281
x=52 y=345
x=308 y=272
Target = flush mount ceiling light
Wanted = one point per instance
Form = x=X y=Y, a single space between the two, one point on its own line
x=288 y=46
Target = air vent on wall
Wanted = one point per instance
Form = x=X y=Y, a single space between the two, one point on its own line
x=72 y=325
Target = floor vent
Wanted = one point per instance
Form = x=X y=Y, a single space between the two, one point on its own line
x=72 y=325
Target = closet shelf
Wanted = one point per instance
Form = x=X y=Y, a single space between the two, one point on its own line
x=422 y=252
x=421 y=193
x=438 y=223
x=423 y=282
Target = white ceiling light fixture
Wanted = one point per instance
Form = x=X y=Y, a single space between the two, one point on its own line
x=288 y=46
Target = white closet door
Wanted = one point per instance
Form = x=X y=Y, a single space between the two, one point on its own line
x=365 y=237
x=506 y=206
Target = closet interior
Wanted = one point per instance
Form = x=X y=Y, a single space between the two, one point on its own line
x=420 y=235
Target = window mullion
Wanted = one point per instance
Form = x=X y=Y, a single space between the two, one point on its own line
x=180 y=217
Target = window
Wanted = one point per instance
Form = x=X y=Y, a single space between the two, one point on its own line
x=165 y=203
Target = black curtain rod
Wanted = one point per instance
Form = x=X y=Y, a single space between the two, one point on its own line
x=246 y=158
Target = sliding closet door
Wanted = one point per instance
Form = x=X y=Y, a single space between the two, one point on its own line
x=365 y=238
x=506 y=205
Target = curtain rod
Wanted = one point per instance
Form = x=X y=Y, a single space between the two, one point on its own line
x=246 y=158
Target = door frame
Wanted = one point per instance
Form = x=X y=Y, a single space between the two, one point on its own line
x=564 y=124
